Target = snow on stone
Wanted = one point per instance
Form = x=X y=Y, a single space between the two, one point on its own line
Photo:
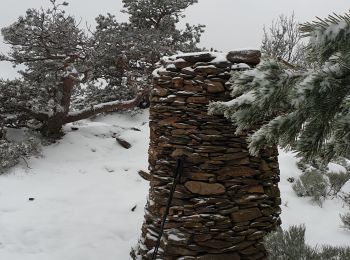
x=179 y=60
x=333 y=167
x=150 y=237
x=186 y=93
x=219 y=57
x=206 y=67
x=188 y=54
x=155 y=73
x=171 y=66
x=240 y=66
x=189 y=69
x=175 y=237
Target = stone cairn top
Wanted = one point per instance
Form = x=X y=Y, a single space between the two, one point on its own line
x=227 y=200
x=195 y=62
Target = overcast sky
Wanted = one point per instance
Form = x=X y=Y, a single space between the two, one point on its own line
x=231 y=24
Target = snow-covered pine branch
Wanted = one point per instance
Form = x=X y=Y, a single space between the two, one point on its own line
x=307 y=110
x=283 y=40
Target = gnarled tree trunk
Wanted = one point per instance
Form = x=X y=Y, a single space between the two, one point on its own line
x=53 y=126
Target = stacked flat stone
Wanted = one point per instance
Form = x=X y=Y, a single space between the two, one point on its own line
x=227 y=200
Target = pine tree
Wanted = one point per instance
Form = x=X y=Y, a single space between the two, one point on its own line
x=70 y=75
x=304 y=110
x=49 y=44
x=155 y=21
x=126 y=53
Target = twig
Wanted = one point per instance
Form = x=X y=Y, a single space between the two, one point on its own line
x=24 y=159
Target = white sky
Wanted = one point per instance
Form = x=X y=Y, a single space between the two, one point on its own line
x=231 y=24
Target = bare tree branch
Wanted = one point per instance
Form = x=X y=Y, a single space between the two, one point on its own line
x=106 y=107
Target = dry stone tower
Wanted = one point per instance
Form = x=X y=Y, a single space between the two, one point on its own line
x=226 y=200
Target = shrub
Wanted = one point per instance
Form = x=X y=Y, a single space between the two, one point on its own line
x=11 y=151
x=318 y=182
x=316 y=164
x=346 y=220
x=290 y=245
x=337 y=181
x=311 y=183
x=334 y=253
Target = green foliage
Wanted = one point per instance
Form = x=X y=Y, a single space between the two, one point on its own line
x=125 y=54
x=52 y=48
x=69 y=70
x=290 y=245
x=312 y=184
x=329 y=38
x=316 y=164
x=11 y=152
x=46 y=42
x=334 y=253
x=133 y=253
x=155 y=24
x=346 y=220
x=151 y=13
x=346 y=217
x=346 y=198
x=318 y=182
x=337 y=181
x=304 y=110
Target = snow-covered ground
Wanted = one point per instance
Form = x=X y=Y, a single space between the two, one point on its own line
x=86 y=185
x=323 y=225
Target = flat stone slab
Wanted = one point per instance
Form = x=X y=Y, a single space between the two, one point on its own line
x=204 y=188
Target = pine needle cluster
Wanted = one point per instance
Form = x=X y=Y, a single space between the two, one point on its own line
x=305 y=110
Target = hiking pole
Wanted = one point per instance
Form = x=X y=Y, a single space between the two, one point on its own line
x=177 y=175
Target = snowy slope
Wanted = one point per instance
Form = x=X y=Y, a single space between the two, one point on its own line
x=323 y=225
x=85 y=186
